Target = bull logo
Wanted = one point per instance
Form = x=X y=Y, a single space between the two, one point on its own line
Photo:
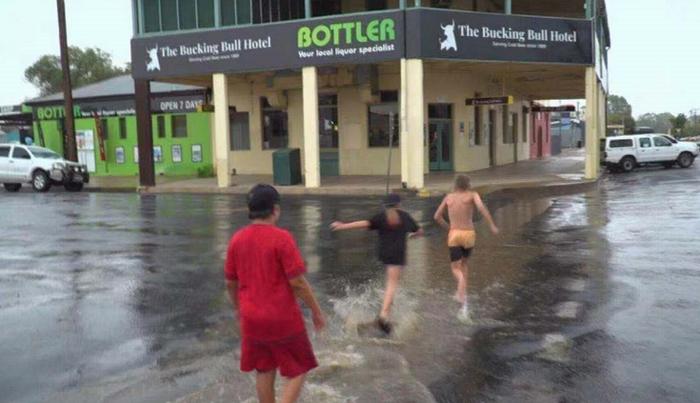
x=154 y=64
x=450 y=42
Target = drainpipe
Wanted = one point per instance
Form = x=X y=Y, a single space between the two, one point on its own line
x=509 y=7
x=417 y=3
x=307 y=9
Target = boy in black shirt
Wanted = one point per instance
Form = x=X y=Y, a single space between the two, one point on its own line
x=394 y=225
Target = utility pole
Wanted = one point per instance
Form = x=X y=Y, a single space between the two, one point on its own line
x=71 y=151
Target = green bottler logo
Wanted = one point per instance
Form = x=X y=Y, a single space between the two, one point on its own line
x=348 y=33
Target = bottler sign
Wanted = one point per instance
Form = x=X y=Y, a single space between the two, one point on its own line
x=351 y=39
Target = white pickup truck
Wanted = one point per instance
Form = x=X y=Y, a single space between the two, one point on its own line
x=628 y=152
x=39 y=166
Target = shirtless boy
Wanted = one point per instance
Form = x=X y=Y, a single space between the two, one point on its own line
x=461 y=238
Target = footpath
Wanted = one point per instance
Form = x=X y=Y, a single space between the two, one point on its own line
x=565 y=170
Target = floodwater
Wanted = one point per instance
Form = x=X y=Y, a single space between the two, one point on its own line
x=583 y=297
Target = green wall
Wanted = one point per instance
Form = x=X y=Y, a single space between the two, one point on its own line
x=198 y=132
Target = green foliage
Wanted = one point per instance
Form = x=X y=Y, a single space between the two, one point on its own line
x=620 y=113
x=659 y=122
x=206 y=171
x=87 y=66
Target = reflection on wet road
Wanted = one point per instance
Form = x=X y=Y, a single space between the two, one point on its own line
x=588 y=297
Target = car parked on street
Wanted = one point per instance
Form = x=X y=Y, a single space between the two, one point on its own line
x=626 y=153
x=40 y=167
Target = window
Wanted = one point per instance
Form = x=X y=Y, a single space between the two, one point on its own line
x=282 y=10
x=644 y=142
x=161 y=126
x=205 y=14
x=371 y=5
x=21 y=153
x=514 y=127
x=188 y=14
x=507 y=129
x=243 y=12
x=4 y=151
x=526 y=116
x=179 y=126
x=104 y=124
x=275 y=126
x=122 y=128
x=325 y=7
x=441 y=3
x=662 y=142
x=477 y=125
x=151 y=15
x=439 y=111
x=384 y=120
x=240 y=131
x=328 y=121
x=623 y=143
x=168 y=13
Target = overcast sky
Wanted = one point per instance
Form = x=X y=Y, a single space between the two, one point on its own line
x=654 y=60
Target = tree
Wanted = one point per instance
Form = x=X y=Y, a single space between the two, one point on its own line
x=679 y=123
x=620 y=113
x=659 y=122
x=87 y=66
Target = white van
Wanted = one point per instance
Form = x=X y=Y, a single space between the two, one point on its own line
x=628 y=152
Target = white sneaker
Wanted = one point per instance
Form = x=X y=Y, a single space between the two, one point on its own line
x=464 y=315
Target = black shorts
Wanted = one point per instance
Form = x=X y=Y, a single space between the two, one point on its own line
x=458 y=253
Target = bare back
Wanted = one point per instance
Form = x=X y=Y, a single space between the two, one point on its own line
x=460 y=209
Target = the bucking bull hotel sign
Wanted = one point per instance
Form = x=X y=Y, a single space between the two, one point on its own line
x=353 y=39
x=445 y=34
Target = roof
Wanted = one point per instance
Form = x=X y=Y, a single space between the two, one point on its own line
x=116 y=86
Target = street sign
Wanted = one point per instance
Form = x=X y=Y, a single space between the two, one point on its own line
x=561 y=108
x=508 y=100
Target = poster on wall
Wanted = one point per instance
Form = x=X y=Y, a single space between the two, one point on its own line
x=196 y=153
x=119 y=152
x=157 y=154
x=136 y=154
x=177 y=153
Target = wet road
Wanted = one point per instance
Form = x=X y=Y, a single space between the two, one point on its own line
x=587 y=297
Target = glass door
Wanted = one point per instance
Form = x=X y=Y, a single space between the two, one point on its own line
x=440 y=136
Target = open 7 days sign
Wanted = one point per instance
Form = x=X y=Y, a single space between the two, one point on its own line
x=353 y=39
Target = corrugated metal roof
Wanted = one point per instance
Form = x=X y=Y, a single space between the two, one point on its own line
x=116 y=86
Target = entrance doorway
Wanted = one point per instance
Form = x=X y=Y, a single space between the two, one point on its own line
x=540 y=140
x=440 y=135
x=328 y=134
x=492 y=137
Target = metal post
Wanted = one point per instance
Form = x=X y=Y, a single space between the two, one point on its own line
x=217 y=13
x=71 y=149
x=509 y=7
x=391 y=145
x=308 y=12
x=402 y=4
x=147 y=176
x=417 y=3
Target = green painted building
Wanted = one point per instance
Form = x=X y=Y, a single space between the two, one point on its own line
x=105 y=125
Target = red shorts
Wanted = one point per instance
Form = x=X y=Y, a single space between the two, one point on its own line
x=293 y=355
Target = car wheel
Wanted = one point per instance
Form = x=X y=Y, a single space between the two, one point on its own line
x=628 y=164
x=73 y=187
x=41 y=181
x=669 y=165
x=685 y=160
x=12 y=187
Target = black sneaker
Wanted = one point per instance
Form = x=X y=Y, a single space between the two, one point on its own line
x=384 y=325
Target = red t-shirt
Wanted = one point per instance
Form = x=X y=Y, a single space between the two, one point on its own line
x=262 y=258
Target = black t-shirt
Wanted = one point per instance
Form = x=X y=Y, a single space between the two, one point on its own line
x=392 y=239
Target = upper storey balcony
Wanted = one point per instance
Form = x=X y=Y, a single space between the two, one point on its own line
x=152 y=17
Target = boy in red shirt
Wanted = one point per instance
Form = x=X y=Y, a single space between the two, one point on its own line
x=264 y=276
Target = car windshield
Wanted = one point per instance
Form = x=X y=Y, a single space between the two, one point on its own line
x=39 y=152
